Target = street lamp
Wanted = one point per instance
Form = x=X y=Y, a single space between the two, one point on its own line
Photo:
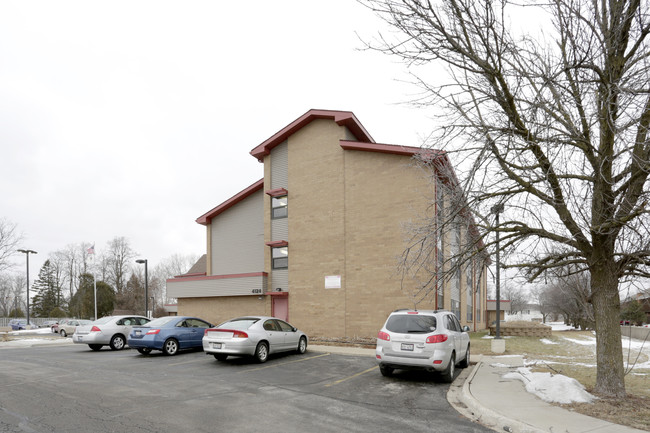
x=146 y=286
x=27 y=253
x=497 y=209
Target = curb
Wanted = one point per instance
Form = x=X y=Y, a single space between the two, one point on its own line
x=478 y=413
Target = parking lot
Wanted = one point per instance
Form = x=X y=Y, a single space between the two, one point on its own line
x=73 y=389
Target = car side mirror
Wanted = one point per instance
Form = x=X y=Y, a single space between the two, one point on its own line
x=465 y=328
x=294 y=329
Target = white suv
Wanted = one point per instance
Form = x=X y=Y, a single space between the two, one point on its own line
x=426 y=340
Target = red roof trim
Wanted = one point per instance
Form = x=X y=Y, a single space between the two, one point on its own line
x=219 y=277
x=206 y=218
x=277 y=192
x=387 y=148
x=279 y=294
x=342 y=118
x=277 y=244
x=195 y=274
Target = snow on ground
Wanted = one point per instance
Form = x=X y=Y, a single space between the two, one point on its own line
x=553 y=388
x=30 y=337
x=547 y=341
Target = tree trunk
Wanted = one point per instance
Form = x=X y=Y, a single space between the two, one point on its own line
x=610 y=377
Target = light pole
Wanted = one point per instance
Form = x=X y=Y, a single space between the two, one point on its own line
x=498 y=347
x=146 y=286
x=27 y=253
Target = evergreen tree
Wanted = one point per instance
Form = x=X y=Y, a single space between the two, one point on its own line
x=633 y=311
x=82 y=303
x=47 y=291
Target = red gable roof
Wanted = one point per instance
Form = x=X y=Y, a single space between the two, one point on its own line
x=342 y=118
x=206 y=218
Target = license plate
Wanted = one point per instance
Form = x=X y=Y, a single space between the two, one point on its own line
x=80 y=338
x=137 y=332
x=407 y=347
x=216 y=345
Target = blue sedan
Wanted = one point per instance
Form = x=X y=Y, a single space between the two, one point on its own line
x=169 y=334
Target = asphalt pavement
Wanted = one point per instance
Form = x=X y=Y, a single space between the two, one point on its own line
x=482 y=394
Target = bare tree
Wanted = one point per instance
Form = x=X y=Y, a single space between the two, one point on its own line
x=170 y=267
x=9 y=240
x=553 y=124
x=119 y=255
x=517 y=296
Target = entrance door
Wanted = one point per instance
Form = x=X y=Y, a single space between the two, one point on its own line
x=280 y=307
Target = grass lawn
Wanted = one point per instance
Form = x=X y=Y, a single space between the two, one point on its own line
x=573 y=354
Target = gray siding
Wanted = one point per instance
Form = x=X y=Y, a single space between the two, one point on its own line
x=238 y=238
x=280 y=227
x=280 y=278
x=280 y=166
x=203 y=287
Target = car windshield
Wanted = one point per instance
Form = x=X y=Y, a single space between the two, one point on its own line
x=239 y=324
x=103 y=320
x=85 y=322
x=161 y=321
x=411 y=324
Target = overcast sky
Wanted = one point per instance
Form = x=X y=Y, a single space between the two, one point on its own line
x=134 y=118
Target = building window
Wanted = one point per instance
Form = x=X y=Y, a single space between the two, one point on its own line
x=279 y=207
x=280 y=257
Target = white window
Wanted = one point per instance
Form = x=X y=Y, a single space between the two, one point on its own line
x=279 y=207
x=280 y=257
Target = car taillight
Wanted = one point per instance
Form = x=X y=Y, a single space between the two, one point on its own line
x=95 y=329
x=438 y=338
x=152 y=332
x=383 y=336
x=208 y=330
x=239 y=334
x=412 y=312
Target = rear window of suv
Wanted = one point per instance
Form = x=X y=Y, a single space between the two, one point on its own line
x=411 y=324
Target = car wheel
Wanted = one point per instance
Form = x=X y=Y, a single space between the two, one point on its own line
x=302 y=345
x=220 y=357
x=63 y=333
x=262 y=352
x=386 y=371
x=465 y=362
x=117 y=342
x=170 y=347
x=95 y=347
x=144 y=350
x=448 y=374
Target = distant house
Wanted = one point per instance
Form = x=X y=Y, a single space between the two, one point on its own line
x=316 y=240
x=529 y=312
x=504 y=306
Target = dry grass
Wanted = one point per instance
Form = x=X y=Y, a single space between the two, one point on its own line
x=578 y=361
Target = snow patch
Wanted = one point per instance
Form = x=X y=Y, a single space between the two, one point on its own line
x=552 y=388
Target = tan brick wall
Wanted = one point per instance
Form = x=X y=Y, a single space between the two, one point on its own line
x=217 y=310
x=345 y=213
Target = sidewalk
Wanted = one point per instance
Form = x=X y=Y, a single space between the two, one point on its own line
x=505 y=405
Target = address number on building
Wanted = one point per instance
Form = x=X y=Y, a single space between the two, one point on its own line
x=256 y=291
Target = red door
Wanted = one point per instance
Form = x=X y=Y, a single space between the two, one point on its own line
x=280 y=308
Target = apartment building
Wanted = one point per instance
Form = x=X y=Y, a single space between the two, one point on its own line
x=317 y=240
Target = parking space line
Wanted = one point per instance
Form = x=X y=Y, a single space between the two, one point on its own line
x=285 y=363
x=351 y=377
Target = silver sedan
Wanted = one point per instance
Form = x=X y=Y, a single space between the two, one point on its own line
x=257 y=336
x=108 y=331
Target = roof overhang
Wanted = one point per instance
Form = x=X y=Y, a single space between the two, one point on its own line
x=342 y=118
